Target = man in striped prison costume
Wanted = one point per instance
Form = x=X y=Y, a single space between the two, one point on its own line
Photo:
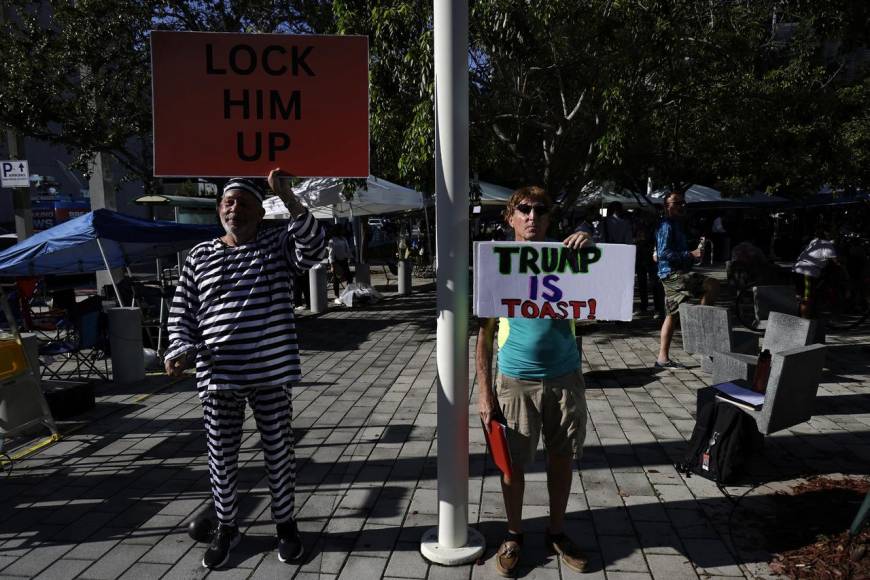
x=232 y=315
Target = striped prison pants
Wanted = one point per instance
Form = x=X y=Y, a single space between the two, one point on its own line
x=223 y=414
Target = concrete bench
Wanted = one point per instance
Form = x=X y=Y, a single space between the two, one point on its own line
x=783 y=333
x=791 y=388
x=708 y=330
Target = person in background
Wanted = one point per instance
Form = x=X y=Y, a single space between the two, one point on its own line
x=675 y=263
x=301 y=292
x=585 y=226
x=809 y=267
x=339 y=253
x=615 y=228
x=721 y=243
x=645 y=267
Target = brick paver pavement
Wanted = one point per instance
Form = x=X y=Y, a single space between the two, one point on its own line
x=112 y=498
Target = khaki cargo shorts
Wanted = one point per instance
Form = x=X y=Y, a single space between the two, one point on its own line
x=680 y=287
x=556 y=407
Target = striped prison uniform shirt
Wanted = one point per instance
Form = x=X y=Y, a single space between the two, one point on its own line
x=234 y=307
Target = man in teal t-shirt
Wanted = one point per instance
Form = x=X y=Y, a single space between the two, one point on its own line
x=538 y=389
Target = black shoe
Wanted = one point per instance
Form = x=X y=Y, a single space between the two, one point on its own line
x=670 y=365
x=226 y=537
x=570 y=555
x=290 y=547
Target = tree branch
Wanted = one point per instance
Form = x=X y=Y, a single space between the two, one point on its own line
x=570 y=116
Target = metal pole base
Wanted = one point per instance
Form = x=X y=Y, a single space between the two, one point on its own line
x=404 y=275
x=317 y=289
x=125 y=338
x=438 y=554
x=362 y=275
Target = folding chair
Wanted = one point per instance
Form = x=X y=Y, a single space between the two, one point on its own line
x=151 y=300
x=26 y=290
x=84 y=349
x=45 y=322
x=22 y=402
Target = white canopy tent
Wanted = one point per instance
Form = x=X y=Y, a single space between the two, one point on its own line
x=601 y=194
x=323 y=196
x=594 y=195
x=698 y=196
x=706 y=197
x=492 y=194
x=276 y=210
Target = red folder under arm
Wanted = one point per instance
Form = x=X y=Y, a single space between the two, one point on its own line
x=496 y=440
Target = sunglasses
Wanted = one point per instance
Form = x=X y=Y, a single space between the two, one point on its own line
x=526 y=209
x=677 y=203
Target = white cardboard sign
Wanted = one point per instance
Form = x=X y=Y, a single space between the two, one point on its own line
x=548 y=280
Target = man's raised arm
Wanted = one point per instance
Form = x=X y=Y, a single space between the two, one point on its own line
x=309 y=242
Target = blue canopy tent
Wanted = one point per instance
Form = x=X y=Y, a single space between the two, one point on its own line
x=100 y=240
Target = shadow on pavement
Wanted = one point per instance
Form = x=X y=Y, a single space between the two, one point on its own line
x=126 y=493
x=338 y=334
x=108 y=490
x=622 y=533
x=619 y=378
x=353 y=327
x=842 y=405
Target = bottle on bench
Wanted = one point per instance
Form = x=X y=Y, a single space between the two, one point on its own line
x=762 y=372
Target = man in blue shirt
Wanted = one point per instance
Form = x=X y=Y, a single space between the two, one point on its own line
x=538 y=389
x=675 y=263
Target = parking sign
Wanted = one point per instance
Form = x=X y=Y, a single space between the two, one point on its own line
x=14 y=173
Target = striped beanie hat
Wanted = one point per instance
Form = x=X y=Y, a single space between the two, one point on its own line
x=244 y=185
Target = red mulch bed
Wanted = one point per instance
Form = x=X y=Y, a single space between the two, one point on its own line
x=809 y=535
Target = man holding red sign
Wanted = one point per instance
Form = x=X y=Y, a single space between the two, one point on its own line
x=232 y=318
x=539 y=388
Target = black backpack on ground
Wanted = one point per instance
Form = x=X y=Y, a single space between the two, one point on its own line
x=723 y=439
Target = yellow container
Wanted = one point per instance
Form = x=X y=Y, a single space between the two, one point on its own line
x=12 y=359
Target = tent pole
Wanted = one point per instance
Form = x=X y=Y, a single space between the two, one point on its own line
x=109 y=270
x=427 y=237
x=160 y=321
x=133 y=294
x=357 y=235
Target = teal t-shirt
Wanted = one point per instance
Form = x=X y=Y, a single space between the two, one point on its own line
x=537 y=348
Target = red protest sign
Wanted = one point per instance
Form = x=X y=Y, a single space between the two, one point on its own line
x=242 y=104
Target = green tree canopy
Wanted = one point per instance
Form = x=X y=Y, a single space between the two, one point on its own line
x=769 y=95
x=78 y=74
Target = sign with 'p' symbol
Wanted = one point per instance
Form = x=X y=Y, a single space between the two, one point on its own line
x=14 y=173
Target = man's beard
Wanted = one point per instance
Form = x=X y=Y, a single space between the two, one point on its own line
x=243 y=231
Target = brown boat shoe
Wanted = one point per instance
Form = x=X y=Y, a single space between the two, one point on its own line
x=508 y=555
x=568 y=552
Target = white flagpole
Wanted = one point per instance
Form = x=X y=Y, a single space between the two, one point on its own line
x=453 y=542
